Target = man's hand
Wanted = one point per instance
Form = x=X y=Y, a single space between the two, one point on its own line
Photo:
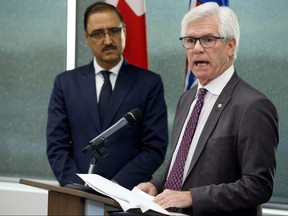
x=148 y=188
x=171 y=198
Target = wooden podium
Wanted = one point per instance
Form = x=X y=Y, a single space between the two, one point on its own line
x=66 y=201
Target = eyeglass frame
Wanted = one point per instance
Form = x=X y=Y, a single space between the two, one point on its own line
x=200 y=40
x=108 y=31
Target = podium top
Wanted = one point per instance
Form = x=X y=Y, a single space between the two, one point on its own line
x=78 y=193
x=95 y=197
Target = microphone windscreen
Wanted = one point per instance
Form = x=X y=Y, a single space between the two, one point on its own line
x=133 y=116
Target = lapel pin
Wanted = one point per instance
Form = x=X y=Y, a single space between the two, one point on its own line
x=219 y=105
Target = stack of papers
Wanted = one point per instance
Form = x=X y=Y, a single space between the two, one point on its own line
x=127 y=199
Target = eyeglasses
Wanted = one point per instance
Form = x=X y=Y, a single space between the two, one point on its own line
x=205 y=41
x=100 y=34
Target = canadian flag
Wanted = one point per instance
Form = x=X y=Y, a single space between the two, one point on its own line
x=134 y=15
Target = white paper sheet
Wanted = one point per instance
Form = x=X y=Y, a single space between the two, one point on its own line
x=127 y=199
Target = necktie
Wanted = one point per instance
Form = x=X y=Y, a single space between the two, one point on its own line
x=174 y=181
x=105 y=95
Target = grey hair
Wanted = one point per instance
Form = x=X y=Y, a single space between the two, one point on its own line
x=228 y=23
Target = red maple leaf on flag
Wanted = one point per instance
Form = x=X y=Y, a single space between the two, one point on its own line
x=134 y=15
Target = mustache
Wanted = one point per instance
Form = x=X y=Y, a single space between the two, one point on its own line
x=109 y=47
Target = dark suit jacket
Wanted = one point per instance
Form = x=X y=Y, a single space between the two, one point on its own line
x=233 y=166
x=73 y=120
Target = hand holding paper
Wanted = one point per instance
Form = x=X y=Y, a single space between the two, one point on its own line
x=127 y=199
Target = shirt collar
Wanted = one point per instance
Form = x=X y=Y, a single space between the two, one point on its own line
x=114 y=70
x=217 y=85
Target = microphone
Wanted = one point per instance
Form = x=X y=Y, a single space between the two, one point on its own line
x=128 y=120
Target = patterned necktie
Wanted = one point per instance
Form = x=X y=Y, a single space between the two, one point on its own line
x=174 y=181
x=105 y=95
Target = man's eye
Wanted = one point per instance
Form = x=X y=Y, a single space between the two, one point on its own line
x=207 y=39
x=191 y=40
x=114 y=31
x=97 y=34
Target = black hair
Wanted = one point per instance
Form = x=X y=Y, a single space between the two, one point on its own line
x=100 y=7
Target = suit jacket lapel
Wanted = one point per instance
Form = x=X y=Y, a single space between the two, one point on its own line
x=86 y=79
x=182 y=113
x=215 y=114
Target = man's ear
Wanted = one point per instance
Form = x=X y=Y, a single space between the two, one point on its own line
x=85 y=36
x=231 y=47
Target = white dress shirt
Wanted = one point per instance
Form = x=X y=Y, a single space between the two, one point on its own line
x=214 y=88
x=99 y=79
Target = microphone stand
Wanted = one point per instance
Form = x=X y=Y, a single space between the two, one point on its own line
x=99 y=152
